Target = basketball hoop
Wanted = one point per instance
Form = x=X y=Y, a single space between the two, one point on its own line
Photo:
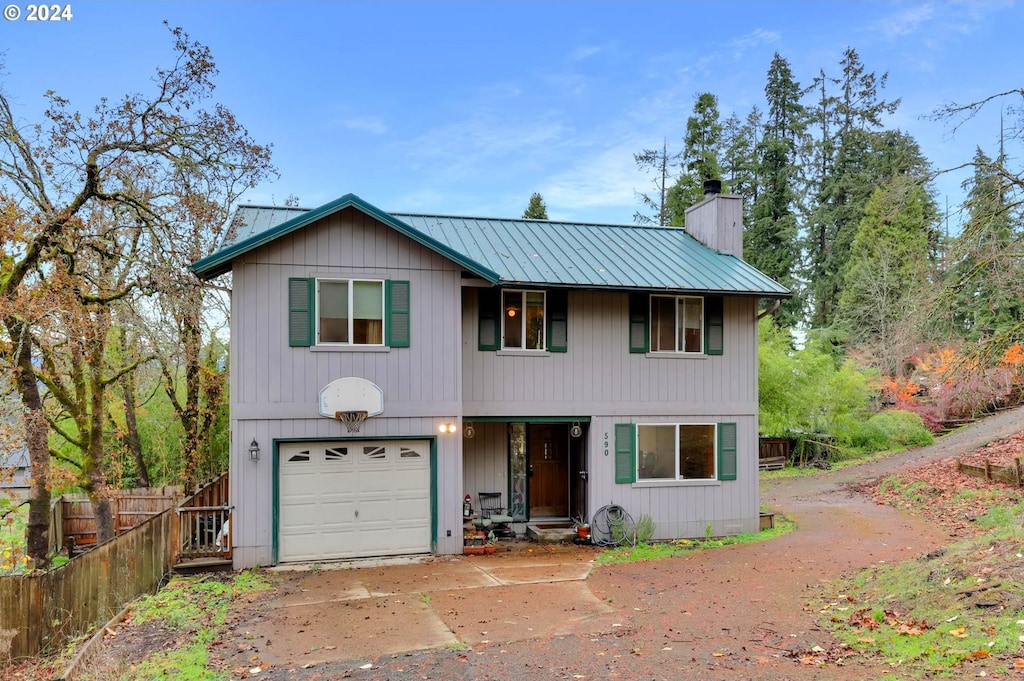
x=351 y=400
x=352 y=419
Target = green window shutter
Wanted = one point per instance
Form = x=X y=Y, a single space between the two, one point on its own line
x=714 y=325
x=726 y=451
x=489 y=311
x=558 y=320
x=639 y=322
x=625 y=452
x=396 y=311
x=301 y=308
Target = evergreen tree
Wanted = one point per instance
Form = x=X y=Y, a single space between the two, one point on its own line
x=987 y=299
x=888 y=262
x=536 y=210
x=740 y=142
x=771 y=241
x=660 y=162
x=846 y=179
x=700 y=158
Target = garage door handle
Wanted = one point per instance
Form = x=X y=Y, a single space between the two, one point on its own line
x=357 y=512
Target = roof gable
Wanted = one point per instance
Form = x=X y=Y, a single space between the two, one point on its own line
x=220 y=262
x=528 y=252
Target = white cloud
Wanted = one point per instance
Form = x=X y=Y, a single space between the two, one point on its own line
x=585 y=51
x=907 y=21
x=370 y=124
x=754 y=39
x=605 y=179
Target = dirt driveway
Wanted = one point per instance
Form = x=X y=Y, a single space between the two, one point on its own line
x=734 y=613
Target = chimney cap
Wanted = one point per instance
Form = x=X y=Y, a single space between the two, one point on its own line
x=712 y=187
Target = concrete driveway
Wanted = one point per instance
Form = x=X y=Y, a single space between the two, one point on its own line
x=347 y=611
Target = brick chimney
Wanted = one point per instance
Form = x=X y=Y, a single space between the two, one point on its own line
x=717 y=221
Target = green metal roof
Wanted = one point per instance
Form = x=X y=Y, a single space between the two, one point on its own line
x=525 y=252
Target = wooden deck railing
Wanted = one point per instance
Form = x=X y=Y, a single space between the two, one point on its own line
x=203 y=527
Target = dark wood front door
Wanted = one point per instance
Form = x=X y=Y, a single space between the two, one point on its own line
x=547 y=455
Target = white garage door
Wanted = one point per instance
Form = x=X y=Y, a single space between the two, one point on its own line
x=353 y=499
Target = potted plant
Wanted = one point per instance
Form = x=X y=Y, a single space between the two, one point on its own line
x=582 y=526
x=492 y=543
x=473 y=543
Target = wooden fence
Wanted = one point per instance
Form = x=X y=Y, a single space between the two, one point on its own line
x=76 y=522
x=773 y=453
x=1011 y=475
x=42 y=611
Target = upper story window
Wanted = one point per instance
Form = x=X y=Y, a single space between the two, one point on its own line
x=350 y=311
x=681 y=326
x=522 y=320
x=677 y=324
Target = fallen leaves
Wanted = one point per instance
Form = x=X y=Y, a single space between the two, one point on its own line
x=902 y=626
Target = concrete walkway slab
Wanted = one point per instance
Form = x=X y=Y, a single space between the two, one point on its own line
x=297 y=635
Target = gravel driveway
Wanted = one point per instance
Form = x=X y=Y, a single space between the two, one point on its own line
x=739 y=612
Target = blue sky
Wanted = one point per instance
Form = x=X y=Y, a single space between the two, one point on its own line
x=469 y=107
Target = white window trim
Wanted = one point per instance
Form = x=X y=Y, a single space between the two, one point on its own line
x=543 y=329
x=654 y=482
x=351 y=318
x=675 y=334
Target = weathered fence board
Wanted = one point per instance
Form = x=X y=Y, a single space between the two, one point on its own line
x=1011 y=475
x=129 y=507
x=38 y=612
x=773 y=453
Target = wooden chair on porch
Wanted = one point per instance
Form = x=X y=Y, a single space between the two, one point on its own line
x=492 y=515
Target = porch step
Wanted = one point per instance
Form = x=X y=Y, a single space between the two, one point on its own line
x=551 y=533
x=198 y=565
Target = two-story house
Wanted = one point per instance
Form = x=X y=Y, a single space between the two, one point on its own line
x=386 y=365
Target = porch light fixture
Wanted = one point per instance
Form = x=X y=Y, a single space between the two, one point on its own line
x=445 y=428
x=469 y=431
x=575 y=430
x=254 y=450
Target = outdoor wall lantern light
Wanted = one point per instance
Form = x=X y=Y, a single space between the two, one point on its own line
x=575 y=431
x=469 y=431
x=254 y=450
x=446 y=428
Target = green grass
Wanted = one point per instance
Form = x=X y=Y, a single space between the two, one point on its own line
x=791 y=471
x=948 y=614
x=196 y=608
x=679 y=547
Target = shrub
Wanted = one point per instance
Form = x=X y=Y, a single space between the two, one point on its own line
x=903 y=428
x=645 y=526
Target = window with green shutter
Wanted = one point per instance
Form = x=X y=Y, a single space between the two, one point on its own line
x=726 y=451
x=625 y=452
x=714 y=325
x=639 y=320
x=301 y=292
x=489 y=313
x=351 y=312
x=558 y=320
x=397 y=305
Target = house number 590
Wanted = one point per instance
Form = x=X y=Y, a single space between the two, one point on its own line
x=606 y=444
